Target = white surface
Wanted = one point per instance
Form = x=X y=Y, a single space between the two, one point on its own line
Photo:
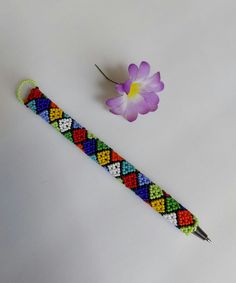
x=62 y=218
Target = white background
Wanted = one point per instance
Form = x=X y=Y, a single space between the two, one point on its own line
x=62 y=218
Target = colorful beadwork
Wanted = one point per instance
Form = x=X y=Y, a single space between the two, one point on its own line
x=116 y=165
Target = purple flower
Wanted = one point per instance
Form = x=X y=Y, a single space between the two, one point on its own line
x=138 y=94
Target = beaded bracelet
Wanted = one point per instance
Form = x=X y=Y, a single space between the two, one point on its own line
x=110 y=160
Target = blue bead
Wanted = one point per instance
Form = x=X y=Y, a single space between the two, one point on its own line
x=45 y=115
x=142 y=193
x=90 y=146
x=143 y=180
x=76 y=125
x=42 y=104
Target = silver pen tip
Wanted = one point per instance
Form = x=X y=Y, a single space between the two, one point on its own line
x=208 y=240
x=201 y=234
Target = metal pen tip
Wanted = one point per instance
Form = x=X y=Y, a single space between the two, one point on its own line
x=208 y=240
x=201 y=234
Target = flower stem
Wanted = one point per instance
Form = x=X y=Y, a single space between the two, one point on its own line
x=105 y=75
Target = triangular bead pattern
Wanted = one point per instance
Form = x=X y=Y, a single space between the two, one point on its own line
x=116 y=165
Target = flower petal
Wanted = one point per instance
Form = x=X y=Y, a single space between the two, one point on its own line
x=119 y=88
x=133 y=71
x=159 y=87
x=117 y=105
x=143 y=108
x=153 y=84
x=139 y=102
x=155 y=78
x=126 y=86
x=152 y=87
x=151 y=99
x=131 y=112
x=118 y=110
x=115 y=101
x=144 y=70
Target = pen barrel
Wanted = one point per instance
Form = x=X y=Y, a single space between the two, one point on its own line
x=112 y=162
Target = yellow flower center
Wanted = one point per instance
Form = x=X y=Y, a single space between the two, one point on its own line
x=134 y=89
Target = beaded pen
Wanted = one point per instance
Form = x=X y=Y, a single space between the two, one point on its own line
x=111 y=161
